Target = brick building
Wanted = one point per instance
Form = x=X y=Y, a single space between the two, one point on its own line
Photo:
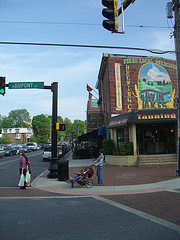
x=138 y=96
x=94 y=115
x=17 y=135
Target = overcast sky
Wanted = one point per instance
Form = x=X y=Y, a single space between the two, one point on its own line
x=70 y=22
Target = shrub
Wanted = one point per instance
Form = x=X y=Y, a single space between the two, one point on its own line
x=108 y=146
x=126 y=148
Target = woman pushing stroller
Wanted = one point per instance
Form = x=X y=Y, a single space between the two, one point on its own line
x=99 y=164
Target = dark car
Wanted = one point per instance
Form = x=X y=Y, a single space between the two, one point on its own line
x=2 y=153
x=9 y=151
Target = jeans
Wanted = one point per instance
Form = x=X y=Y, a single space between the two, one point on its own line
x=100 y=181
x=76 y=178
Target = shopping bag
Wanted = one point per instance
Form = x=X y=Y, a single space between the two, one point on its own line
x=21 y=181
x=27 y=177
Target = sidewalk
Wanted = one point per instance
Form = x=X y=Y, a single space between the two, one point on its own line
x=117 y=180
x=146 y=190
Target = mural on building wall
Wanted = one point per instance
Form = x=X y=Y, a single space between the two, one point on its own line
x=154 y=89
x=94 y=103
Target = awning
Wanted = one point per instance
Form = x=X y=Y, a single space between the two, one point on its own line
x=93 y=135
x=102 y=131
x=144 y=116
x=121 y=120
x=153 y=116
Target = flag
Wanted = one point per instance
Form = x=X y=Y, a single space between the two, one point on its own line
x=89 y=89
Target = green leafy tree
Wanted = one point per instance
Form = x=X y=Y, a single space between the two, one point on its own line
x=41 y=126
x=6 y=122
x=69 y=126
x=19 y=118
x=79 y=127
x=5 y=139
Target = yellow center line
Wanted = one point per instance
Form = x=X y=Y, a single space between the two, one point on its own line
x=9 y=161
x=17 y=159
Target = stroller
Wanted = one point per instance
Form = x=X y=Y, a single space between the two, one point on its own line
x=84 y=178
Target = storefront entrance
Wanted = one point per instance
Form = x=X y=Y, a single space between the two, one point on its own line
x=156 y=138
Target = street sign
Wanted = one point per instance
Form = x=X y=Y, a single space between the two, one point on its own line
x=25 y=85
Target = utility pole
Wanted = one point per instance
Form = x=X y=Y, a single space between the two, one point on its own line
x=177 y=49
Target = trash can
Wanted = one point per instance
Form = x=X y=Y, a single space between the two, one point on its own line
x=63 y=170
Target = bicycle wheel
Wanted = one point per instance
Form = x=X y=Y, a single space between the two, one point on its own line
x=88 y=183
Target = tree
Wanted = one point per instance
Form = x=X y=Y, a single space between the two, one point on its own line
x=41 y=126
x=79 y=127
x=19 y=118
x=6 y=122
x=69 y=126
x=5 y=139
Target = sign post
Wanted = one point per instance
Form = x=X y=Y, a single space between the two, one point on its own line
x=54 y=90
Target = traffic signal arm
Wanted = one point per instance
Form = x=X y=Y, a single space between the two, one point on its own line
x=126 y=3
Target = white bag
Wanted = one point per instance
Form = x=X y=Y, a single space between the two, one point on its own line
x=27 y=177
x=21 y=181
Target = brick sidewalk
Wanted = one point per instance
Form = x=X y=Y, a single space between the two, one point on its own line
x=165 y=205
x=119 y=176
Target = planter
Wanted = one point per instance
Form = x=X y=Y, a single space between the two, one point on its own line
x=116 y=153
x=124 y=161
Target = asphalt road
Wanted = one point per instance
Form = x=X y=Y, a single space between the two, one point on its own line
x=74 y=218
x=9 y=168
x=60 y=217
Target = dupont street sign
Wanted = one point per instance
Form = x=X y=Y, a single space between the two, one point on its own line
x=25 y=85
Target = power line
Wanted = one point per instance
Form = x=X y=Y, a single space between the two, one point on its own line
x=155 y=51
x=71 y=23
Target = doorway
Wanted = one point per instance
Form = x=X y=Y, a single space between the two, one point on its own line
x=156 y=138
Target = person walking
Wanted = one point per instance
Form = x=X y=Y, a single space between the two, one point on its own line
x=28 y=168
x=99 y=164
x=22 y=169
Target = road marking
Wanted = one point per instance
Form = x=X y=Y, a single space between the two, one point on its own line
x=147 y=216
x=14 y=160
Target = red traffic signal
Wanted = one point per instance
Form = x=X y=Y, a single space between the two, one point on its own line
x=2 y=85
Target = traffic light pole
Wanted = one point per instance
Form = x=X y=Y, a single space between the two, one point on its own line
x=54 y=89
x=54 y=158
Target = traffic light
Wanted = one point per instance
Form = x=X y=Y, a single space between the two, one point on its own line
x=57 y=126
x=2 y=85
x=60 y=127
x=110 y=13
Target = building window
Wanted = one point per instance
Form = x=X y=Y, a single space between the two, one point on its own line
x=122 y=135
x=17 y=136
x=17 y=130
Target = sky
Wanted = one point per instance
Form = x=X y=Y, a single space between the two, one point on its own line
x=76 y=22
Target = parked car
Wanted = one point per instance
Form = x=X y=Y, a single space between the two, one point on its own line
x=32 y=146
x=18 y=149
x=9 y=151
x=24 y=148
x=47 y=152
x=2 y=153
